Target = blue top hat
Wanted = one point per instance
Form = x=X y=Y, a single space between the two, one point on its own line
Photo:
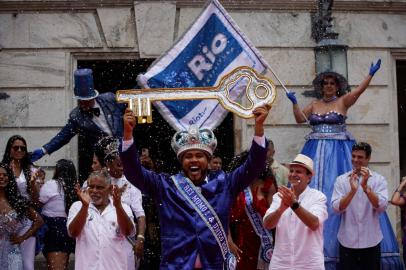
x=84 y=89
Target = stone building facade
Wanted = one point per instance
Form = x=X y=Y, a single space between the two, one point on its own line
x=42 y=41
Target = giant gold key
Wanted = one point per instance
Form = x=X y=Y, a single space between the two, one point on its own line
x=258 y=90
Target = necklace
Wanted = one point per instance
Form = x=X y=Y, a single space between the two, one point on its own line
x=330 y=99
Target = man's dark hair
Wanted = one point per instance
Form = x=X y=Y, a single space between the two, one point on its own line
x=363 y=146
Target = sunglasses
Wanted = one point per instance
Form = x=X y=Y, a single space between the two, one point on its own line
x=19 y=147
x=328 y=83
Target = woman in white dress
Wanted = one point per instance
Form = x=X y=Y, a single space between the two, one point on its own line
x=17 y=157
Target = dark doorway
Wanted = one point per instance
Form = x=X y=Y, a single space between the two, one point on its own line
x=401 y=95
x=113 y=75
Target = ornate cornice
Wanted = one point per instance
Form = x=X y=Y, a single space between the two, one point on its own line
x=273 y=5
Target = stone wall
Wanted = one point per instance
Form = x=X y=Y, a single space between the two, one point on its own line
x=41 y=41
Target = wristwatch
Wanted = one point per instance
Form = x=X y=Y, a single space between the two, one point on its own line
x=295 y=205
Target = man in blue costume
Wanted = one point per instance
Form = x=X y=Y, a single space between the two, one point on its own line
x=95 y=116
x=189 y=240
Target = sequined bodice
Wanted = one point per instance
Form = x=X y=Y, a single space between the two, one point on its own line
x=330 y=118
x=328 y=126
x=9 y=224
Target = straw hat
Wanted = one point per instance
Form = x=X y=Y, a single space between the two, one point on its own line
x=303 y=161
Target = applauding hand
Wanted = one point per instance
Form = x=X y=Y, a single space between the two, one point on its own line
x=353 y=181
x=116 y=194
x=365 y=176
x=287 y=196
x=83 y=195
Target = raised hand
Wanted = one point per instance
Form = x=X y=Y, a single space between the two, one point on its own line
x=116 y=194
x=402 y=184
x=287 y=196
x=261 y=112
x=129 y=124
x=353 y=181
x=365 y=176
x=374 y=67
x=292 y=97
x=83 y=195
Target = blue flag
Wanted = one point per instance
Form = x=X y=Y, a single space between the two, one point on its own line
x=212 y=47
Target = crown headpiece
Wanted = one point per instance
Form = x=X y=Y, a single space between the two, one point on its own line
x=194 y=139
x=108 y=146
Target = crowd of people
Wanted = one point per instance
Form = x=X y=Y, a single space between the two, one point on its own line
x=323 y=210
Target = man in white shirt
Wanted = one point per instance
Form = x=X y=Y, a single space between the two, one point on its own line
x=107 y=154
x=100 y=225
x=360 y=196
x=298 y=213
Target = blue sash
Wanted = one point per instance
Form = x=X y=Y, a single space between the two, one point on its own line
x=208 y=215
x=256 y=221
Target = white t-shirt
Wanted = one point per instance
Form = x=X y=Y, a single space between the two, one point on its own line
x=53 y=198
x=100 y=245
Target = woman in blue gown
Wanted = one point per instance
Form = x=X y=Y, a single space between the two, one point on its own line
x=329 y=145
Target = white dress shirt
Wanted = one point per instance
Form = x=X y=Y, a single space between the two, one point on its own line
x=132 y=197
x=297 y=247
x=359 y=226
x=101 y=120
x=100 y=244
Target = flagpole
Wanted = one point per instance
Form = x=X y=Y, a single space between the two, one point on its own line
x=284 y=88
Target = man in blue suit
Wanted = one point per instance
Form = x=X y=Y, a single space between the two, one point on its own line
x=94 y=117
x=192 y=237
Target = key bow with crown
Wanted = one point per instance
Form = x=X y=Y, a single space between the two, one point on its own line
x=258 y=90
